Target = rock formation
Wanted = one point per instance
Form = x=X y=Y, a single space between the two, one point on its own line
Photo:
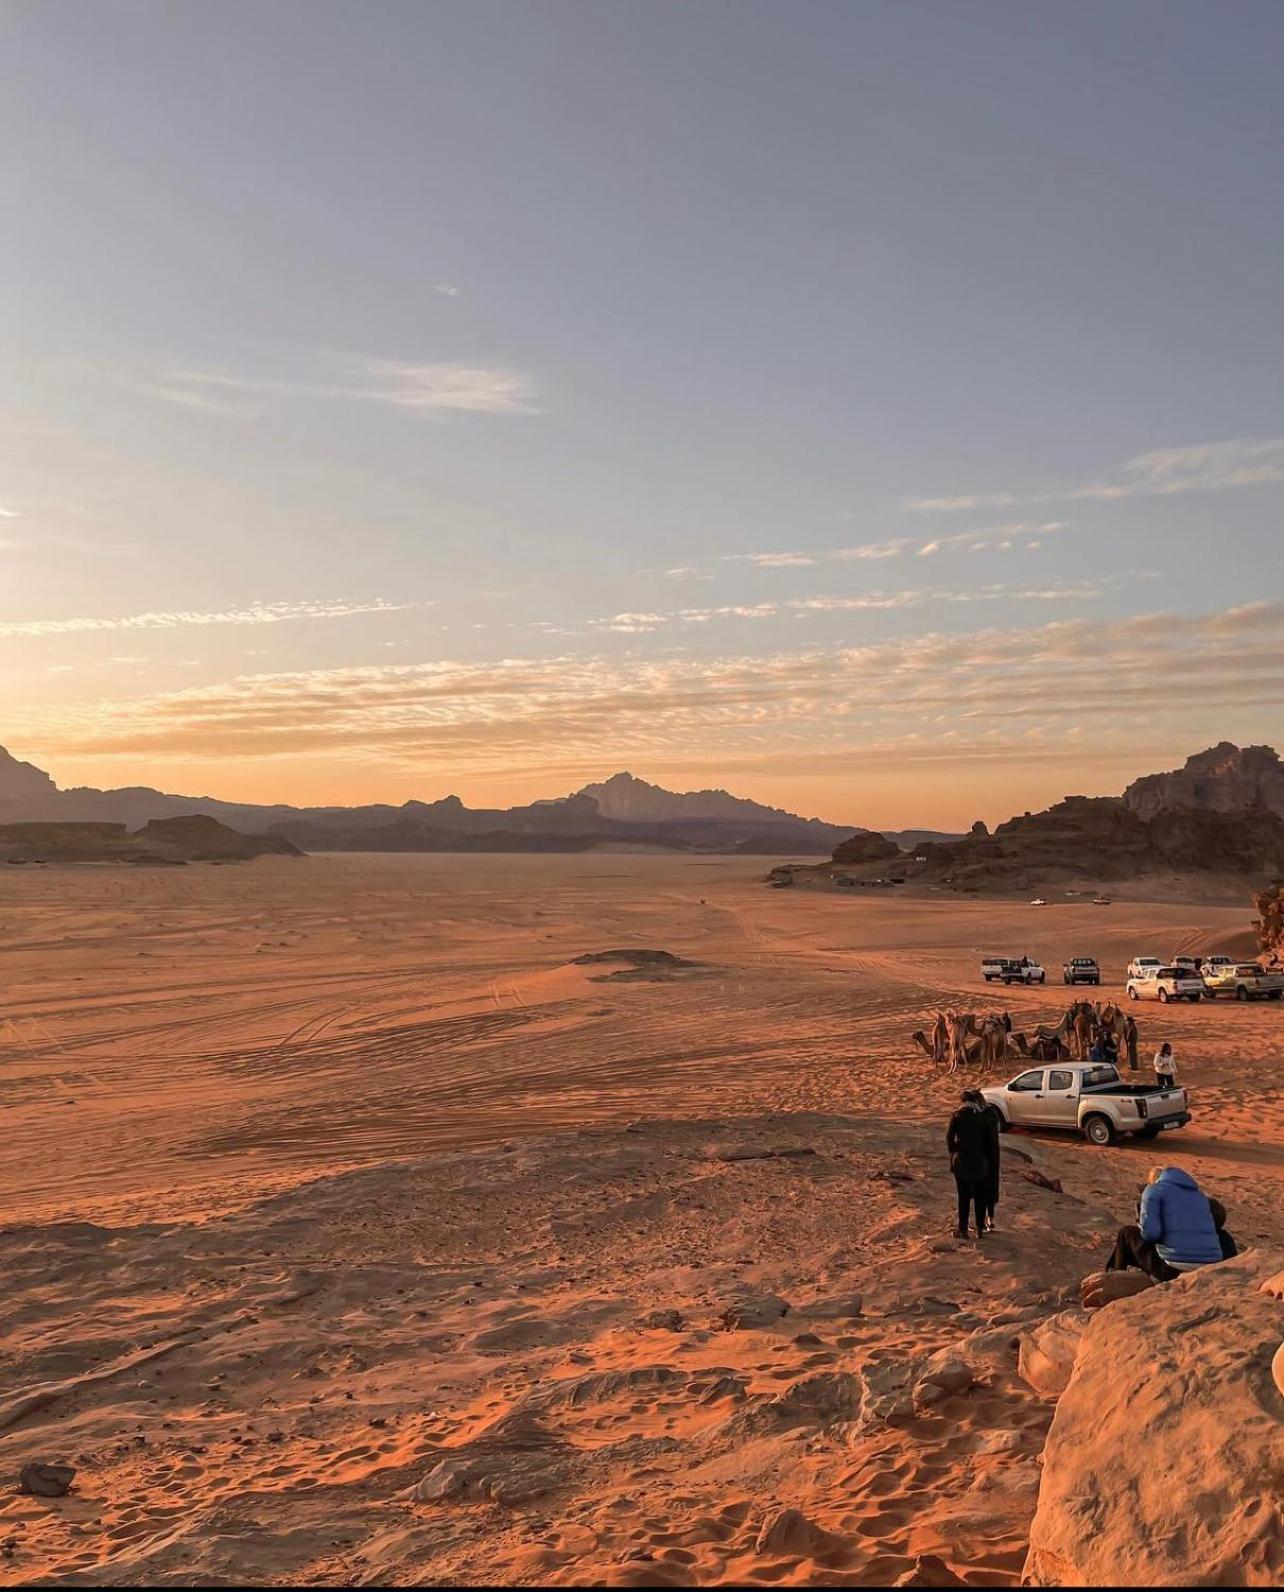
x=867 y=847
x=1163 y=1463
x=1270 y=922
x=164 y=840
x=22 y=783
x=1224 y=779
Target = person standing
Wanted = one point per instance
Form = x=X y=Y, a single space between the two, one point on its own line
x=966 y=1139
x=1165 y=1067
x=1130 y=1040
x=993 y=1120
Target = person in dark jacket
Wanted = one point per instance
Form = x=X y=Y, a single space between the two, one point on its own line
x=1177 y=1231
x=1130 y=1041
x=966 y=1139
x=993 y=1126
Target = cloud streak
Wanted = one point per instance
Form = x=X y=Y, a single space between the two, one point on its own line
x=1201 y=467
x=423 y=388
x=645 y=623
x=178 y=619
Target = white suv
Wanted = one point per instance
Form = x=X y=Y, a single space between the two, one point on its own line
x=1144 y=966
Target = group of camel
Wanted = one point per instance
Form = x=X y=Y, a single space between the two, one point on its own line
x=972 y=1039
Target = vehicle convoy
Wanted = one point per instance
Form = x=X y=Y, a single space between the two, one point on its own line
x=1246 y=981
x=1141 y=966
x=1012 y=970
x=1092 y=1098
x=1166 y=984
x=1081 y=970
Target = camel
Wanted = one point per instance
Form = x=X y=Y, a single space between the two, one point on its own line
x=965 y=1039
x=994 y=1040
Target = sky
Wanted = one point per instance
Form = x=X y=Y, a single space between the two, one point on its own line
x=873 y=407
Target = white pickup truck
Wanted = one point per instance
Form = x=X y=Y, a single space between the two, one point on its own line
x=1246 y=981
x=1012 y=970
x=1092 y=1098
x=1165 y=984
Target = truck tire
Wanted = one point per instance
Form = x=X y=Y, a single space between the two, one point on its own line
x=1163 y=997
x=1274 y=994
x=1151 y=1132
x=1132 y=994
x=1098 y=1130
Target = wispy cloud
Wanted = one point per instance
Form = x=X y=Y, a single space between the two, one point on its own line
x=1202 y=467
x=1206 y=467
x=773 y=560
x=431 y=388
x=949 y=505
x=687 y=572
x=446 y=289
x=875 y=601
x=993 y=538
x=992 y=693
x=8 y=514
x=252 y=614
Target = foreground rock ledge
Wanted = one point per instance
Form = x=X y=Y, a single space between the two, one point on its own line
x=1163 y=1466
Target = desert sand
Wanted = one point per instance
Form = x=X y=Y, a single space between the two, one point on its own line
x=346 y=1217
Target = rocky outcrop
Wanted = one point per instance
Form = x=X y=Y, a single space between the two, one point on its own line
x=1102 y=838
x=1270 y=922
x=22 y=783
x=1048 y=1352
x=1163 y=1463
x=201 y=839
x=1224 y=779
x=164 y=840
x=866 y=848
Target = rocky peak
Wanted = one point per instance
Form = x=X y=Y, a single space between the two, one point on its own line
x=1224 y=778
x=22 y=781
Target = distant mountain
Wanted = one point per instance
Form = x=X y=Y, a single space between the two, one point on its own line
x=619 y=811
x=23 y=781
x=1224 y=779
x=634 y=801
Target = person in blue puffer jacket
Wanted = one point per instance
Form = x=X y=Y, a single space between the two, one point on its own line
x=1177 y=1231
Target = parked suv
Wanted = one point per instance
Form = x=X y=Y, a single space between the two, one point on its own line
x=1167 y=984
x=1143 y=966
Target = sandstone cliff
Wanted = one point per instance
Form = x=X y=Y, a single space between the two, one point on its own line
x=1224 y=779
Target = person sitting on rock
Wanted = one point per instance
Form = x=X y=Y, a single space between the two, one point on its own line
x=1176 y=1233
x=966 y=1139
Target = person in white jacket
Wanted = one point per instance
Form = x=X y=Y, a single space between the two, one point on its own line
x=1165 y=1066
